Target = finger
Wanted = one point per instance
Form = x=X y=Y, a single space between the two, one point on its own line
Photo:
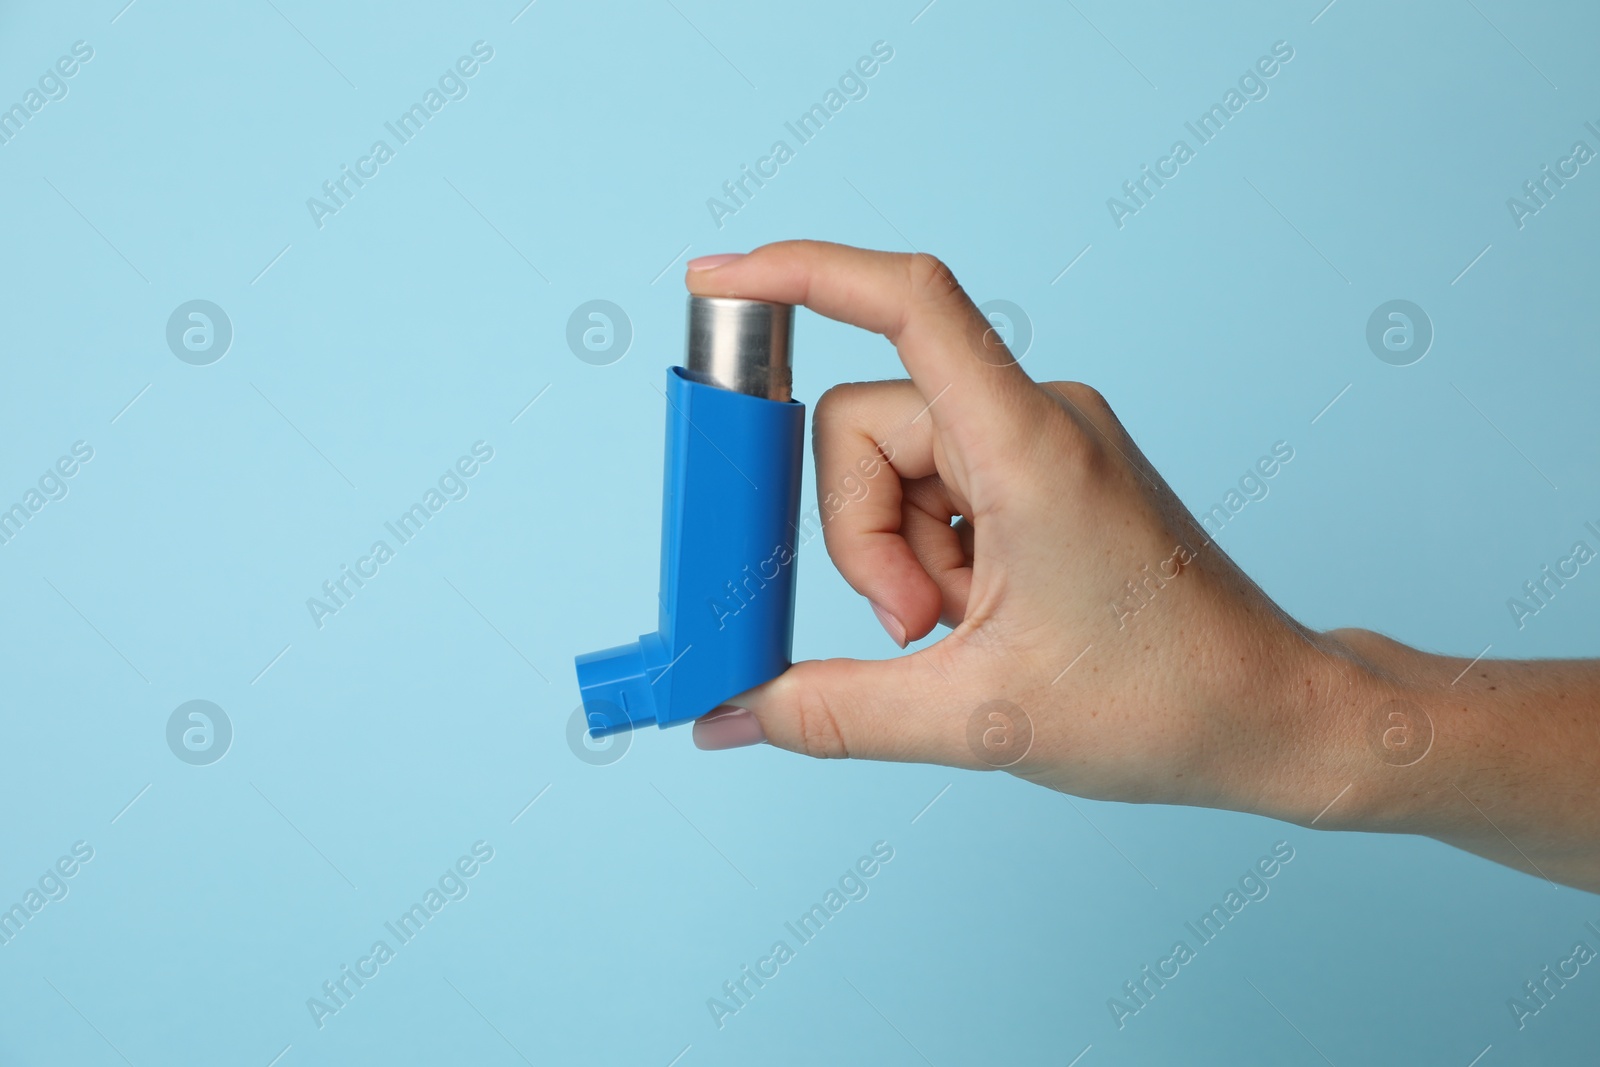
x=925 y=524
x=867 y=438
x=862 y=709
x=974 y=389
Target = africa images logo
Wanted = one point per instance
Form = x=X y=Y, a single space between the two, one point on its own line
x=1252 y=86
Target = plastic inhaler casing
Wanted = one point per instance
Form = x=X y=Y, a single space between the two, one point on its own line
x=728 y=519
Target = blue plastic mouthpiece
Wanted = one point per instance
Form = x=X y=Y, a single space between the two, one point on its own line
x=729 y=510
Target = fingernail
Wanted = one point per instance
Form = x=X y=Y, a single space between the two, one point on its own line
x=707 y=262
x=727 y=727
x=891 y=624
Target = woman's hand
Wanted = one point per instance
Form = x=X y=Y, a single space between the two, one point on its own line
x=1101 y=643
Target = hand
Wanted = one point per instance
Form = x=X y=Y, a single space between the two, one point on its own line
x=1134 y=660
x=1101 y=644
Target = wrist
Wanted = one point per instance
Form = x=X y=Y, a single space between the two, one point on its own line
x=1346 y=732
x=1367 y=749
x=1364 y=733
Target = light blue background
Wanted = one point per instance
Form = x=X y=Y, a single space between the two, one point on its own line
x=433 y=308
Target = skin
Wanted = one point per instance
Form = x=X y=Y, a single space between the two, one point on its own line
x=1196 y=690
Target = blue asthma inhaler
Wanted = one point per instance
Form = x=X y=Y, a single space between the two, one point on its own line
x=728 y=519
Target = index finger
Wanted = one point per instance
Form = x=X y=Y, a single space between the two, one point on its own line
x=971 y=384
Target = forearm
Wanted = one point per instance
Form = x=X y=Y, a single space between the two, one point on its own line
x=1498 y=757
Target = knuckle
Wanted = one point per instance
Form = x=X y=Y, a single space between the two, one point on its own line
x=851 y=408
x=930 y=279
x=1078 y=429
x=835 y=401
x=1085 y=397
x=831 y=414
x=816 y=726
x=1085 y=407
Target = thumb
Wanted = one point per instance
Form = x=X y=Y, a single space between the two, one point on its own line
x=895 y=709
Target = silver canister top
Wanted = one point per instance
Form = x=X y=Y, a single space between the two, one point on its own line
x=742 y=345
